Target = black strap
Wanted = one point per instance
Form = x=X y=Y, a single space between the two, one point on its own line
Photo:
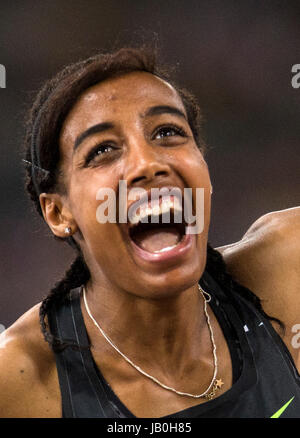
x=82 y=393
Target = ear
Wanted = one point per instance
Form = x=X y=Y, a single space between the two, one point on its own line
x=57 y=215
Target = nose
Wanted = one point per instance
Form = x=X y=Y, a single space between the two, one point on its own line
x=144 y=164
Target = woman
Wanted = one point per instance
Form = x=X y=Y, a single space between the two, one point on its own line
x=129 y=329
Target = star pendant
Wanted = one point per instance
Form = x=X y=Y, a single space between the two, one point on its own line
x=219 y=383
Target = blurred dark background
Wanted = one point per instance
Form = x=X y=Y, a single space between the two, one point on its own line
x=236 y=56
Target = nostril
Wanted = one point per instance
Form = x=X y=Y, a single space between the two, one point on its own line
x=140 y=178
x=136 y=180
x=162 y=172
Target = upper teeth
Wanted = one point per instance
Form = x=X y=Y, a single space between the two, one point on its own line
x=166 y=206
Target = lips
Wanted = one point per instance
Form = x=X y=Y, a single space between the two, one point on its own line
x=166 y=258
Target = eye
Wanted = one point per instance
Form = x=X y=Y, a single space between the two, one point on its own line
x=98 y=151
x=168 y=131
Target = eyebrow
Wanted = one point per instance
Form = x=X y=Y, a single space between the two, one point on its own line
x=100 y=127
x=162 y=109
x=105 y=126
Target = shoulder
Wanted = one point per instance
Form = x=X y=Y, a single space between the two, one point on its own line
x=278 y=230
x=270 y=246
x=28 y=384
x=267 y=261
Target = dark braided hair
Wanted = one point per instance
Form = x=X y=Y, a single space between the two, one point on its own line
x=41 y=155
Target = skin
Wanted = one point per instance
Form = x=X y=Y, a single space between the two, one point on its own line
x=176 y=348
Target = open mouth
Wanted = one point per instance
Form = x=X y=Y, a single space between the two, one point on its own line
x=158 y=237
x=157 y=228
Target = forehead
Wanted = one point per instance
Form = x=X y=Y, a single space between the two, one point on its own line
x=116 y=98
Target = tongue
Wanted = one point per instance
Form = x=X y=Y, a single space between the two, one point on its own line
x=157 y=239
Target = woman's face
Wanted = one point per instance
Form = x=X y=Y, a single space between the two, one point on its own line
x=140 y=135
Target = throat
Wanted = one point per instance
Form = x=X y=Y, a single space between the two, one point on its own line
x=158 y=239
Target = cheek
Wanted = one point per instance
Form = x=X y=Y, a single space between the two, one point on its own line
x=84 y=204
x=194 y=170
x=196 y=175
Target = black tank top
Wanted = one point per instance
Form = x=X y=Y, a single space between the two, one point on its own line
x=265 y=380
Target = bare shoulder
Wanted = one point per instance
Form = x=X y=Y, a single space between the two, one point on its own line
x=267 y=261
x=276 y=234
x=28 y=384
x=271 y=244
x=282 y=224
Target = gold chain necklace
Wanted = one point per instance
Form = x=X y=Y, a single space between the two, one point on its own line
x=214 y=384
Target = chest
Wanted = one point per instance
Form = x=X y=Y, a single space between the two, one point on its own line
x=145 y=398
x=148 y=400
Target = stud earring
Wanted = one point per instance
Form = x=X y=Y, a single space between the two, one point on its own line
x=68 y=230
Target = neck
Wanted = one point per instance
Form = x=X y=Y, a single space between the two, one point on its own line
x=170 y=332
